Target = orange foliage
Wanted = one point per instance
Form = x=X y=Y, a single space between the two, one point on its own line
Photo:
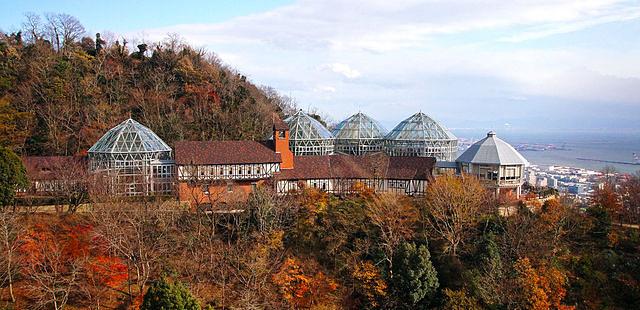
x=302 y=290
x=541 y=288
x=108 y=271
x=369 y=283
x=608 y=198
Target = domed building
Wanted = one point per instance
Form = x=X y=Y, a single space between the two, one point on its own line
x=359 y=135
x=134 y=161
x=307 y=136
x=420 y=135
x=495 y=163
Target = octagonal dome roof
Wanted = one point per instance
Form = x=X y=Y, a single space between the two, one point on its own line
x=129 y=137
x=304 y=127
x=420 y=127
x=359 y=126
x=494 y=151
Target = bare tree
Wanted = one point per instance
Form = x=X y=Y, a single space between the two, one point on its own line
x=10 y=230
x=395 y=219
x=63 y=29
x=452 y=208
x=33 y=27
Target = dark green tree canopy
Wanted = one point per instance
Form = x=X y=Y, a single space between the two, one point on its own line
x=415 y=280
x=163 y=295
x=12 y=175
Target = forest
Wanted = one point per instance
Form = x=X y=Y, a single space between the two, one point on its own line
x=61 y=90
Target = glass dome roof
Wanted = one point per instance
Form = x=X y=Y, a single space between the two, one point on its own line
x=420 y=127
x=359 y=126
x=129 y=137
x=304 y=127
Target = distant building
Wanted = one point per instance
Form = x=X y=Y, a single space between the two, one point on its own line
x=496 y=163
x=541 y=182
x=552 y=182
x=51 y=175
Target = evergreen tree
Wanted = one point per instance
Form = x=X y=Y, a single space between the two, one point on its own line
x=12 y=175
x=415 y=280
x=163 y=295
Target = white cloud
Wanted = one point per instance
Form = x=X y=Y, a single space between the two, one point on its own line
x=342 y=69
x=412 y=55
x=325 y=89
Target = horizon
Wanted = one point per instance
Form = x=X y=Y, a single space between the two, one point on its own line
x=516 y=67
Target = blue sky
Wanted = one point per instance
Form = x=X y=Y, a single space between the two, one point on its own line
x=532 y=65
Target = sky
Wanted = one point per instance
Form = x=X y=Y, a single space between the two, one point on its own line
x=550 y=65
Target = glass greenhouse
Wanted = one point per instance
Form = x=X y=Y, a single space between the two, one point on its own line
x=307 y=136
x=358 y=135
x=420 y=135
x=134 y=160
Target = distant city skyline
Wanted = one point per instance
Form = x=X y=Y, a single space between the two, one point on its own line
x=514 y=65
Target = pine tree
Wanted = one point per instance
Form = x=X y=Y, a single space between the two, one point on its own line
x=415 y=280
x=12 y=176
x=163 y=295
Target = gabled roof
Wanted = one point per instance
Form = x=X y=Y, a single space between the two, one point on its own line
x=42 y=168
x=224 y=152
x=340 y=166
x=304 y=127
x=129 y=137
x=492 y=150
x=420 y=127
x=359 y=126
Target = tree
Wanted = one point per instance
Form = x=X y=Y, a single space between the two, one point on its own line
x=302 y=290
x=369 y=284
x=631 y=198
x=63 y=29
x=13 y=125
x=459 y=300
x=165 y=295
x=487 y=279
x=541 y=288
x=12 y=176
x=10 y=231
x=415 y=279
x=395 y=218
x=452 y=208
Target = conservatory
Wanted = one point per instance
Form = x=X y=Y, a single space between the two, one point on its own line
x=307 y=136
x=359 y=135
x=420 y=135
x=133 y=160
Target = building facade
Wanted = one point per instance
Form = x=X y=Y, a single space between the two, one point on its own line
x=496 y=163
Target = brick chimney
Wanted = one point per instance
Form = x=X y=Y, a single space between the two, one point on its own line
x=281 y=142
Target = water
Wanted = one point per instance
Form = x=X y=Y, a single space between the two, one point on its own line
x=593 y=145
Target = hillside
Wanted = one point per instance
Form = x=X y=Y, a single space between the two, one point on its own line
x=61 y=97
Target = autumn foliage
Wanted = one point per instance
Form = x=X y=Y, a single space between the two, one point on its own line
x=300 y=289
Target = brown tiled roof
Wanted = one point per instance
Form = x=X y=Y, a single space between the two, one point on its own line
x=359 y=167
x=224 y=152
x=40 y=168
x=278 y=124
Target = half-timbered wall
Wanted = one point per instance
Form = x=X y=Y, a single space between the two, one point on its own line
x=345 y=186
x=227 y=172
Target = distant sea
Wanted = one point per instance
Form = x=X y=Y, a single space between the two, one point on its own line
x=593 y=145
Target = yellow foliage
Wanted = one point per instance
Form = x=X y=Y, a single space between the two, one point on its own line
x=369 y=283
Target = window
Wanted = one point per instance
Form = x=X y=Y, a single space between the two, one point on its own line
x=281 y=134
x=229 y=188
x=254 y=186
